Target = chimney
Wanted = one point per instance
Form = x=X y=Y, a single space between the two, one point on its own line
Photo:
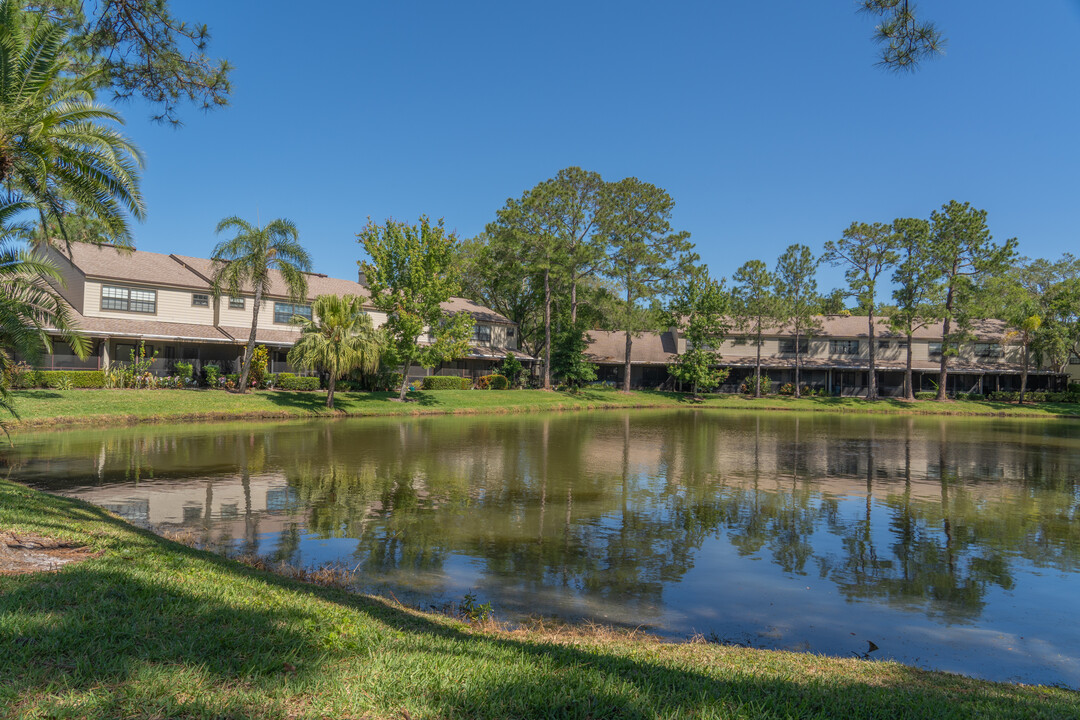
x=361 y=277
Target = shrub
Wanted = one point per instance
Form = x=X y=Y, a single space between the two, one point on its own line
x=185 y=371
x=925 y=395
x=1073 y=388
x=970 y=396
x=260 y=358
x=445 y=382
x=292 y=382
x=512 y=369
x=787 y=389
x=211 y=373
x=62 y=379
x=492 y=382
x=747 y=386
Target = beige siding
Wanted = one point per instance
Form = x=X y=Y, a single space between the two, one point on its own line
x=896 y=352
x=73 y=288
x=173 y=305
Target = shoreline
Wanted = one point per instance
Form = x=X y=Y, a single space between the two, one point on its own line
x=145 y=623
x=73 y=409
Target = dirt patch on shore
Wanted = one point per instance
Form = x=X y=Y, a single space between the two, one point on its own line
x=21 y=553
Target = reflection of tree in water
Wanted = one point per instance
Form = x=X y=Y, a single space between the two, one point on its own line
x=942 y=557
x=616 y=507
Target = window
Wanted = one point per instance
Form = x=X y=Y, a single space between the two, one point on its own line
x=481 y=334
x=934 y=349
x=236 y=303
x=902 y=344
x=988 y=350
x=200 y=300
x=738 y=340
x=285 y=312
x=128 y=299
x=509 y=332
x=844 y=347
x=884 y=344
x=787 y=347
x=1074 y=359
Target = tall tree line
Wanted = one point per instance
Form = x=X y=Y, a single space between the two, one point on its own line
x=577 y=252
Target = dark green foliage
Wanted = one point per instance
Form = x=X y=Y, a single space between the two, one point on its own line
x=748 y=386
x=297 y=383
x=80 y=379
x=926 y=395
x=138 y=49
x=1037 y=396
x=492 y=382
x=512 y=369
x=568 y=361
x=211 y=374
x=445 y=382
x=904 y=38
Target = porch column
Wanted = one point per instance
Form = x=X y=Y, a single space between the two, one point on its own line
x=105 y=361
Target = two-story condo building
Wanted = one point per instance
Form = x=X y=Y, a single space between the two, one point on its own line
x=123 y=298
x=837 y=358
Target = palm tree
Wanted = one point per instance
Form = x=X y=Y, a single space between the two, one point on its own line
x=29 y=308
x=338 y=339
x=58 y=149
x=244 y=264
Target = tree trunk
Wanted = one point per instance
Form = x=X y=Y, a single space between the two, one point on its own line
x=757 y=365
x=797 y=393
x=946 y=328
x=909 y=390
x=246 y=371
x=330 y=391
x=871 y=388
x=1024 y=373
x=547 y=329
x=405 y=379
x=573 y=299
x=629 y=341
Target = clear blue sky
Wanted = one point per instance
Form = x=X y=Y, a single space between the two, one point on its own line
x=766 y=121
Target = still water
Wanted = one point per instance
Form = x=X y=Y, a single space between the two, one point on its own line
x=946 y=543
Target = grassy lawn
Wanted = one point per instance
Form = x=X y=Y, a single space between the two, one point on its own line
x=38 y=408
x=152 y=629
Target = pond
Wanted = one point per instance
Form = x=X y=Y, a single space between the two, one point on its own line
x=942 y=542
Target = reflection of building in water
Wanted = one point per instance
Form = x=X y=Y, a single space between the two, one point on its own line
x=225 y=508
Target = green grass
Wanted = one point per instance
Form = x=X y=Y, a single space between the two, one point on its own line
x=91 y=407
x=153 y=629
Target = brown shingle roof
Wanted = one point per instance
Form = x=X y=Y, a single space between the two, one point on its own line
x=607 y=346
x=137 y=266
x=135 y=327
x=856 y=326
x=266 y=336
x=318 y=284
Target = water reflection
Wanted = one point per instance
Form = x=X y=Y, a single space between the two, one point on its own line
x=662 y=519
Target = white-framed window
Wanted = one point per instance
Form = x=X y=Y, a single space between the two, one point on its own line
x=200 y=300
x=285 y=312
x=884 y=344
x=844 y=347
x=989 y=350
x=787 y=347
x=237 y=303
x=481 y=334
x=933 y=349
x=128 y=299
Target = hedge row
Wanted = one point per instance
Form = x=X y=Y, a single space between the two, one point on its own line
x=493 y=382
x=445 y=382
x=57 y=378
x=1036 y=396
x=297 y=383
